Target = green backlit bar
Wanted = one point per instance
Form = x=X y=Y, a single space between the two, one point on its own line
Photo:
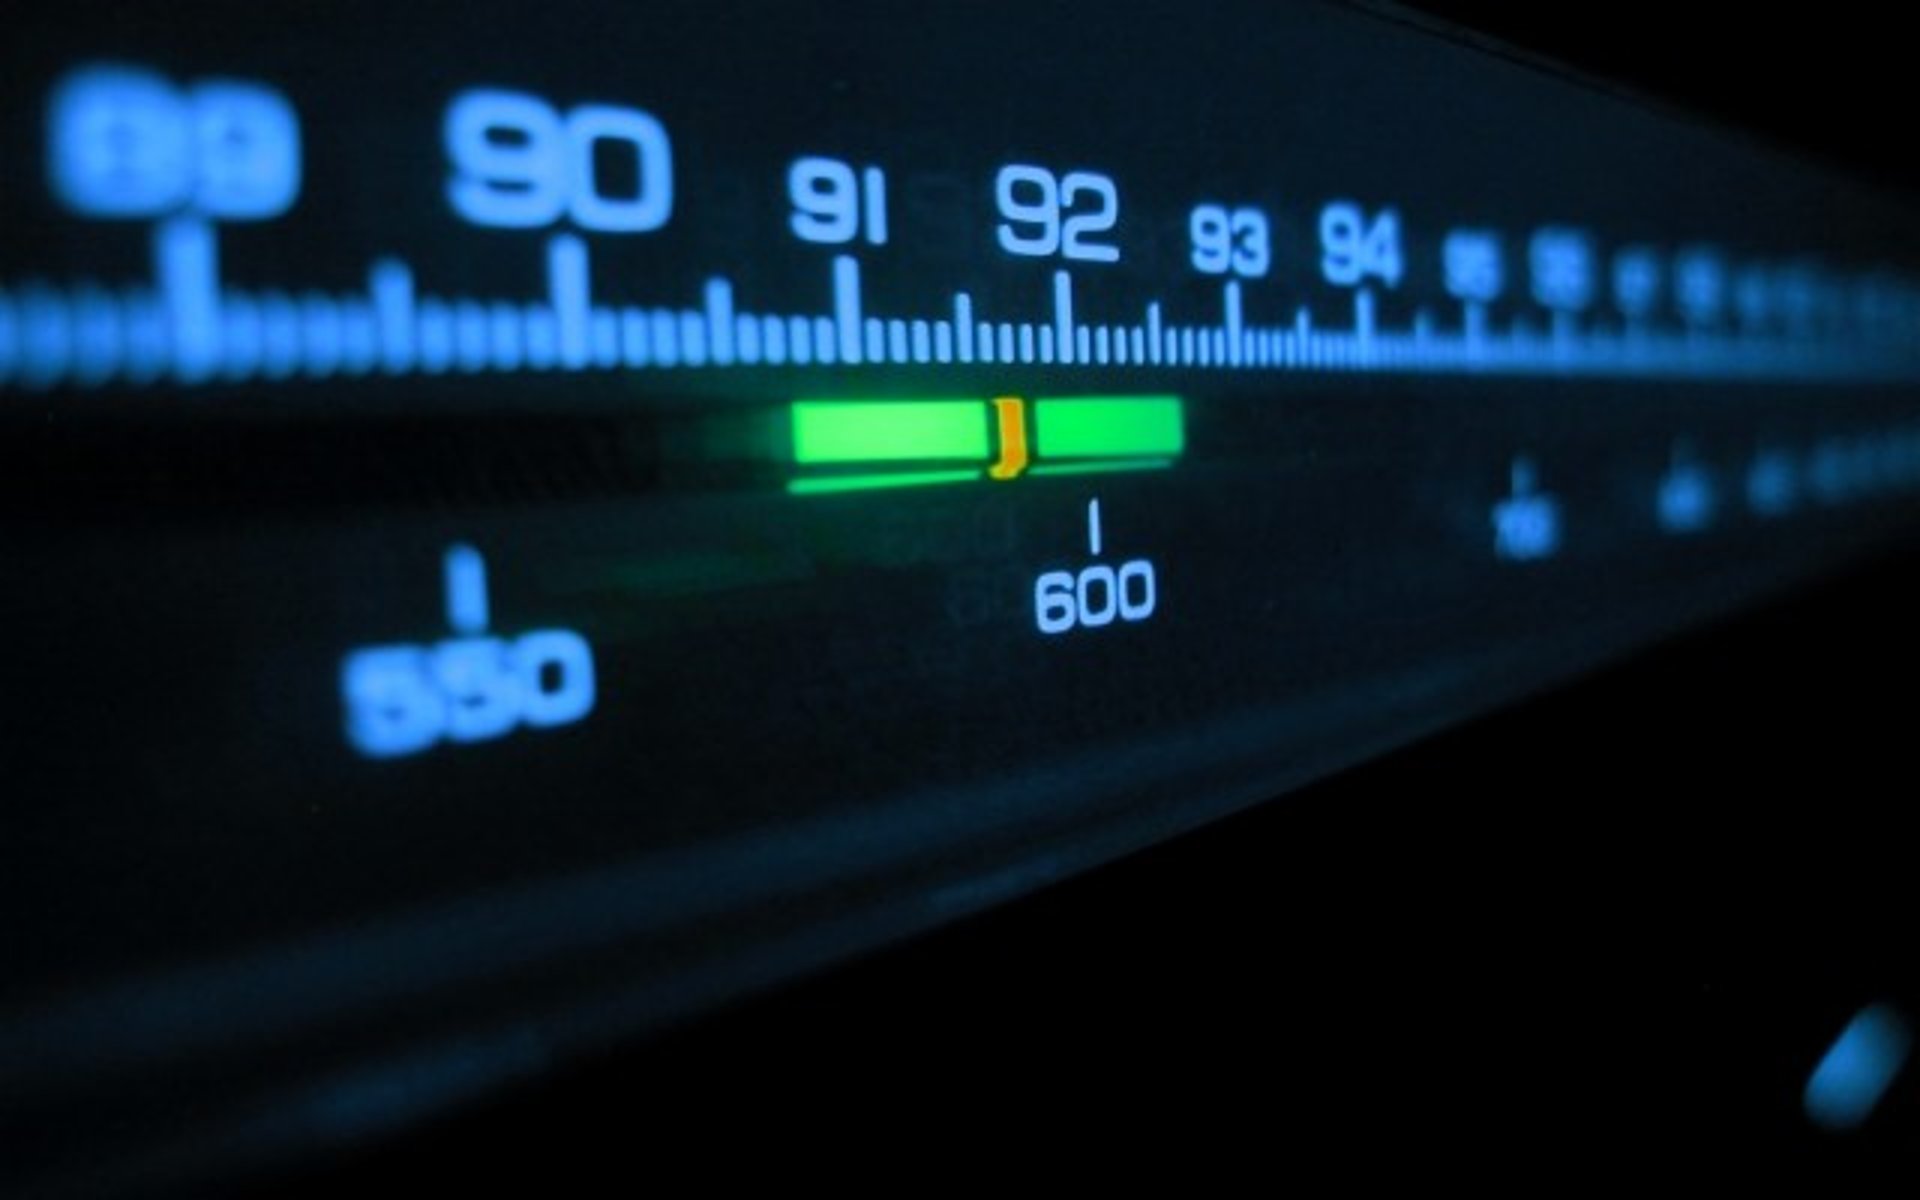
x=1109 y=427
x=881 y=431
x=1102 y=466
x=824 y=484
x=863 y=445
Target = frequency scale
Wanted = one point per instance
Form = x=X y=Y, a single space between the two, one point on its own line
x=522 y=529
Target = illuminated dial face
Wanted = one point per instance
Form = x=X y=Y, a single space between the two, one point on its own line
x=697 y=476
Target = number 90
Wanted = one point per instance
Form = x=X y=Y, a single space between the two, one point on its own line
x=519 y=163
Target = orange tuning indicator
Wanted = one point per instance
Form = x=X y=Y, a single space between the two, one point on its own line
x=1011 y=414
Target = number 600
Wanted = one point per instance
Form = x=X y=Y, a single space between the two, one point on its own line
x=1095 y=597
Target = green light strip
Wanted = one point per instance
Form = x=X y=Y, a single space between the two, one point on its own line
x=1109 y=427
x=1102 y=466
x=870 y=483
x=878 y=431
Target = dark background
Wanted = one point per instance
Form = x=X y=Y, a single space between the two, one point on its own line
x=1828 y=82
x=1608 y=932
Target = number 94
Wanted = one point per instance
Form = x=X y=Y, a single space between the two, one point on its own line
x=1355 y=247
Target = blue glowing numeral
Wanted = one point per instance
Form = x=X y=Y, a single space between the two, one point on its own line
x=555 y=669
x=1054 y=609
x=1472 y=265
x=393 y=707
x=1526 y=529
x=1686 y=499
x=477 y=678
x=1526 y=525
x=1077 y=230
x=1797 y=296
x=1029 y=200
x=1037 y=217
x=518 y=163
x=831 y=204
x=593 y=126
x=1230 y=240
x=1561 y=264
x=509 y=157
x=1355 y=247
x=1773 y=484
x=1636 y=282
x=1139 y=593
x=120 y=143
x=1096 y=595
x=125 y=142
x=1700 y=285
x=402 y=700
x=1753 y=295
x=248 y=143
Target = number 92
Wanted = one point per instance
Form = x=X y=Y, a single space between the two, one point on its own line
x=1039 y=218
